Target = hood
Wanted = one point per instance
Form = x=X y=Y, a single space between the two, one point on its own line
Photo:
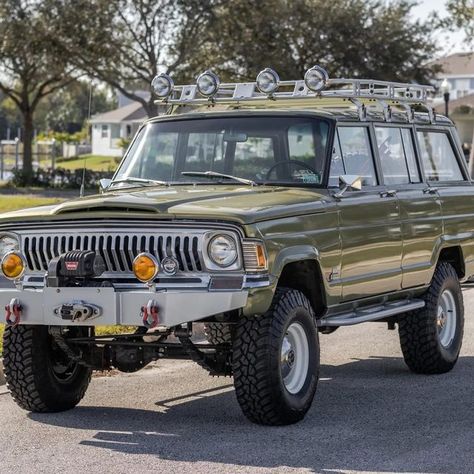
x=243 y=204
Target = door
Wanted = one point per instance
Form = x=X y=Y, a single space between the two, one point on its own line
x=420 y=210
x=369 y=220
x=446 y=171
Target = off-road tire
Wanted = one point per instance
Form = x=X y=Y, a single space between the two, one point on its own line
x=418 y=330
x=218 y=333
x=257 y=344
x=29 y=374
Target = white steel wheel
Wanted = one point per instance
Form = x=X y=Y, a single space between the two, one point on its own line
x=447 y=318
x=294 y=360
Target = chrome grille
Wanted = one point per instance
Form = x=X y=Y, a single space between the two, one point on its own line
x=118 y=248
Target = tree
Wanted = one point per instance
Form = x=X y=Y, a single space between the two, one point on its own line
x=355 y=38
x=125 y=43
x=462 y=12
x=31 y=68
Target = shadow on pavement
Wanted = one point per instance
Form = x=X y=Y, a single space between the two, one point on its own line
x=368 y=415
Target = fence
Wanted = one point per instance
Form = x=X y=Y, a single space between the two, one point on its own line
x=11 y=156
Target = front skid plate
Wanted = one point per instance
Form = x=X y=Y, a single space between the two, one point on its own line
x=175 y=307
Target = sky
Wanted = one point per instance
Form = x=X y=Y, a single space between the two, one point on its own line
x=449 y=42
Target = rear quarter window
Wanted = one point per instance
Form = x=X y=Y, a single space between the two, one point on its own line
x=438 y=157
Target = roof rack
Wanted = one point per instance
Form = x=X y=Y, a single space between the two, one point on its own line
x=269 y=91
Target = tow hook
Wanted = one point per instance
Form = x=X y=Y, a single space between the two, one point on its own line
x=149 y=314
x=15 y=309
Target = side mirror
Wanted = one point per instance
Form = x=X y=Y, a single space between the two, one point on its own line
x=104 y=183
x=346 y=182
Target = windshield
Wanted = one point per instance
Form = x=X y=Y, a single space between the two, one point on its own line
x=257 y=149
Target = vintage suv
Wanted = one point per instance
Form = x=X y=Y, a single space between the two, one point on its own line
x=270 y=211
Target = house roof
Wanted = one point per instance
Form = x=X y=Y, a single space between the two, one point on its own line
x=458 y=64
x=467 y=100
x=133 y=112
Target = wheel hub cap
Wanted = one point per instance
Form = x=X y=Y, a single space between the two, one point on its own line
x=446 y=320
x=294 y=358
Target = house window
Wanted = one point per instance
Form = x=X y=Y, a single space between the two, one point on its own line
x=105 y=131
x=128 y=131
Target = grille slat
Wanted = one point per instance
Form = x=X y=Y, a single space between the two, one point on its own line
x=118 y=248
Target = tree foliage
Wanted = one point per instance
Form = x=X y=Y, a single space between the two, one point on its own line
x=30 y=67
x=462 y=12
x=127 y=42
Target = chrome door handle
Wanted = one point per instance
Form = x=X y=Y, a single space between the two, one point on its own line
x=389 y=193
x=430 y=190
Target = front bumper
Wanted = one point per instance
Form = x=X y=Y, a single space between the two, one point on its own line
x=39 y=306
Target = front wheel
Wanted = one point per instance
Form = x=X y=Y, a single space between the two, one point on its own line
x=40 y=376
x=276 y=360
x=431 y=337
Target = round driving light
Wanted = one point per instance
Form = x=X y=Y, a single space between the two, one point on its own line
x=268 y=81
x=208 y=83
x=13 y=265
x=162 y=85
x=145 y=267
x=316 y=78
x=8 y=244
x=223 y=250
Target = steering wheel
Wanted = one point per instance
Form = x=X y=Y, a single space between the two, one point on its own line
x=295 y=162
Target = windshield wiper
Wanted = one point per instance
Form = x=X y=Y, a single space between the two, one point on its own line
x=143 y=181
x=214 y=174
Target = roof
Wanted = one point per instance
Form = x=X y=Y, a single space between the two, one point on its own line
x=133 y=112
x=339 y=115
x=466 y=101
x=458 y=64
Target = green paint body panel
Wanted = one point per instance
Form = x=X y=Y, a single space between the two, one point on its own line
x=367 y=246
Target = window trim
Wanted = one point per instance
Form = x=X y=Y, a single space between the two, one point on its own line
x=448 y=132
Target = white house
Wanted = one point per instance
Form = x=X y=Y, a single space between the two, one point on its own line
x=108 y=128
x=458 y=71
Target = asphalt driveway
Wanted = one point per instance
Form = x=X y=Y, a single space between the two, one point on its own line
x=370 y=415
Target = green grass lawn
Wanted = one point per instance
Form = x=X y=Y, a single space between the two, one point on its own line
x=92 y=162
x=12 y=202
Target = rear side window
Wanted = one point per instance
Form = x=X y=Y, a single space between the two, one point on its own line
x=438 y=158
x=396 y=155
x=356 y=154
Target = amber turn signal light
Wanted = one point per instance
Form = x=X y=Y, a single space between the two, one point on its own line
x=145 y=267
x=13 y=265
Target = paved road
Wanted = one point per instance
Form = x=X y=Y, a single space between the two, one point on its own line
x=370 y=415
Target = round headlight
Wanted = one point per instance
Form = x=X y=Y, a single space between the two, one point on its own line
x=8 y=244
x=13 y=265
x=162 y=85
x=145 y=267
x=208 y=83
x=268 y=81
x=223 y=250
x=316 y=78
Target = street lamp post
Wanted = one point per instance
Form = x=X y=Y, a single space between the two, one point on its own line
x=445 y=89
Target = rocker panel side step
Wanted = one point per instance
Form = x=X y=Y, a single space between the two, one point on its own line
x=374 y=313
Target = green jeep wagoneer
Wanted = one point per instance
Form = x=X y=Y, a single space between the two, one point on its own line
x=270 y=211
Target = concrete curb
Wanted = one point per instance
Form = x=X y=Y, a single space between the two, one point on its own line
x=2 y=378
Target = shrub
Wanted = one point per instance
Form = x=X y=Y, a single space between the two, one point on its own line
x=59 y=178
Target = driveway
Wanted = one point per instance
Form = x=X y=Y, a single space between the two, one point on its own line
x=370 y=415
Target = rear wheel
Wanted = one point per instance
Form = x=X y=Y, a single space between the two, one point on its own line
x=276 y=360
x=40 y=376
x=431 y=337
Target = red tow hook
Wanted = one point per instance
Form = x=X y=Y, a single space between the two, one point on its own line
x=15 y=309
x=150 y=314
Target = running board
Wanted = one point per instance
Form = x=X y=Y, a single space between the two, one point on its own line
x=374 y=313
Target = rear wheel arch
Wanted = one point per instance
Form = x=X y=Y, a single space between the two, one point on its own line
x=455 y=257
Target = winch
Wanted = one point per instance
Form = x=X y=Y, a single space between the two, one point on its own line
x=75 y=268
